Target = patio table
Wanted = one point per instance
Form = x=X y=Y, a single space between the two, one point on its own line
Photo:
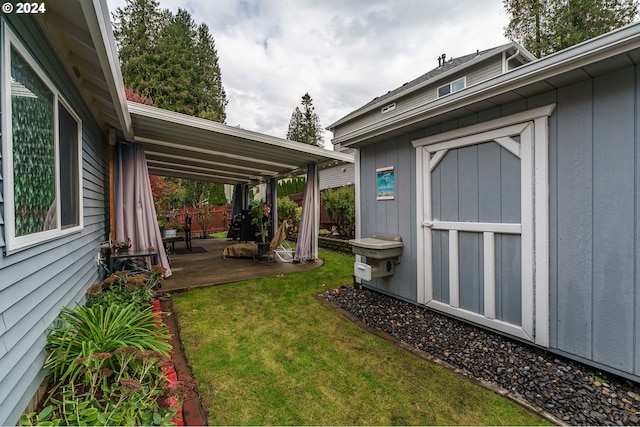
x=132 y=255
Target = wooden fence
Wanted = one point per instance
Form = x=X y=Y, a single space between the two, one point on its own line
x=206 y=220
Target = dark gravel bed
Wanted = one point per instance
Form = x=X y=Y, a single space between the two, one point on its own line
x=572 y=392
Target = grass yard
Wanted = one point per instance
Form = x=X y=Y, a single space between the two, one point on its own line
x=266 y=352
x=219 y=235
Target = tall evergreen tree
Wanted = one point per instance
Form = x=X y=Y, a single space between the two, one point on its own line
x=177 y=88
x=547 y=26
x=136 y=29
x=304 y=125
x=169 y=58
x=214 y=98
x=172 y=60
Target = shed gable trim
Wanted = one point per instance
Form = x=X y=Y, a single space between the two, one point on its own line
x=488 y=126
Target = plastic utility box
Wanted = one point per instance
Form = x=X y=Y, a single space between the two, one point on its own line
x=382 y=252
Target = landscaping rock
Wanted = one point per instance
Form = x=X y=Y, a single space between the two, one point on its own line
x=572 y=392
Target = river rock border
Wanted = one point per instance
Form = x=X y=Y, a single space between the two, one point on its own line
x=558 y=389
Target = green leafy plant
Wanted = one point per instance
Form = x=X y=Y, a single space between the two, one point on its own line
x=290 y=211
x=85 y=331
x=340 y=204
x=130 y=395
x=124 y=288
x=172 y=225
x=257 y=219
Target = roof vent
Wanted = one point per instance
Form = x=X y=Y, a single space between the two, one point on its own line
x=388 y=108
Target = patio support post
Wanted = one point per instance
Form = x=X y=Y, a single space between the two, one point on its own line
x=112 y=154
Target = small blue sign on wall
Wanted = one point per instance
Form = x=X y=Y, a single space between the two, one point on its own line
x=386 y=183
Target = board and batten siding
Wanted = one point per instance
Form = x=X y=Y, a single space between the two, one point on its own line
x=36 y=283
x=594 y=214
x=391 y=216
x=595 y=189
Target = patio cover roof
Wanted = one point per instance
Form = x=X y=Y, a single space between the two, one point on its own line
x=184 y=146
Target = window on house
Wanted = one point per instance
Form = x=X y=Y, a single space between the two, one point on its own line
x=452 y=87
x=42 y=148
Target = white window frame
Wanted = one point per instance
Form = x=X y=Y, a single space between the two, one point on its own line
x=450 y=85
x=15 y=243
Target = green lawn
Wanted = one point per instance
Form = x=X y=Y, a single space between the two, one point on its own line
x=266 y=352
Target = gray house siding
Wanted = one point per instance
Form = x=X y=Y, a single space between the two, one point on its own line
x=594 y=192
x=337 y=176
x=36 y=283
x=488 y=69
x=594 y=212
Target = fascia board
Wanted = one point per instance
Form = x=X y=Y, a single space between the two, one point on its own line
x=586 y=53
x=96 y=14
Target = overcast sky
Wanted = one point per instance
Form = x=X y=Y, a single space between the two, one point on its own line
x=343 y=52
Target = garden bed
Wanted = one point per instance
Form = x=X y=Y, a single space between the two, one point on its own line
x=109 y=360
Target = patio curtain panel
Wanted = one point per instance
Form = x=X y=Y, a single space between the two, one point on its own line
x=135 y=212
x=306 y=247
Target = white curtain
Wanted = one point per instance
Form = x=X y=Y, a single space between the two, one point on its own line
x=135 y=213
x=306 y=247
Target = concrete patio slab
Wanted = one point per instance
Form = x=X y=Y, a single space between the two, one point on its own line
x=205 y=266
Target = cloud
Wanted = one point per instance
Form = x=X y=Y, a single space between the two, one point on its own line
x=344 y=53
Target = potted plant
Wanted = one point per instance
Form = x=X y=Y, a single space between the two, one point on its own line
x=162 y=222
x=123 y=246
x=171 y=228
x=261 y=220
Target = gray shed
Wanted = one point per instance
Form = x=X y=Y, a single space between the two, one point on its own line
x=517 y=196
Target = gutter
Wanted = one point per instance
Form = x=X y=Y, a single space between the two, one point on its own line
x=591 y=51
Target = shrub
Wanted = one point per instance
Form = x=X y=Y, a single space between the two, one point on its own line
x=289 y=210
x=340 y=204
x=123 y=288
x=107 y=358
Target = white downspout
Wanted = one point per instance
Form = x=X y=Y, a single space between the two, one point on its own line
x=506 y=62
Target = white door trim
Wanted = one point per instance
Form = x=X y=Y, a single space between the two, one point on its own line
x=534 y=227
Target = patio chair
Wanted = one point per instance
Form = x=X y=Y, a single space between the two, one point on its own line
x=284 y=250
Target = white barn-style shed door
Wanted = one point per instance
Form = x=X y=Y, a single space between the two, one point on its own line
x=483 y=224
